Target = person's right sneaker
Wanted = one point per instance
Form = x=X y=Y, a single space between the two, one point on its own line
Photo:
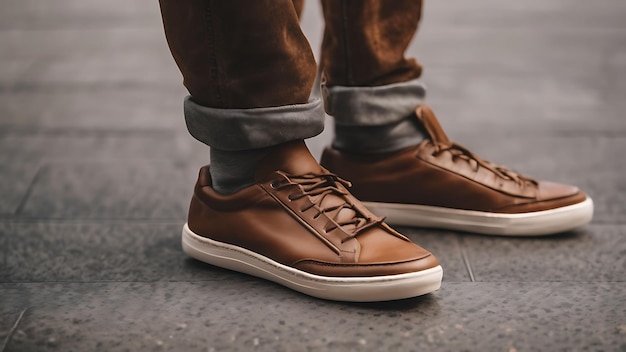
x=441 y=184
x=299 y=226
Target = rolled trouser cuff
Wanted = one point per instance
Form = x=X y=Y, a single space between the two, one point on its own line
x=244 y=129
x=372 y=106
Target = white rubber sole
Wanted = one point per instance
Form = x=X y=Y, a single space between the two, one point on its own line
x=538 y=223
x=352 y=289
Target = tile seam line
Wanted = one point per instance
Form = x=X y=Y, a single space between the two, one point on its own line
x=29 y=191
x=465 y=258
x=468 y=266
x=7 y=339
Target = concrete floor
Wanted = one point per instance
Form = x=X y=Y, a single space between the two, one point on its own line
x=96 y=170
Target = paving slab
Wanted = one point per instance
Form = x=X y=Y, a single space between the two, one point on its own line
x=122 y=64
x=539 y=14
x=11 y=70
x=130 y=108
x=535 y=36
x=111 y=190
x=100 y=42
x=592 y=254
x=76 y=145
x=517 y=49
x=16 y=178
x=219 y=316
x=38 y=252
x=540 y=97
x=460 y=115
x=77 y=13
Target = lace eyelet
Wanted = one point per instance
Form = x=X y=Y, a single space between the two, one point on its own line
x=274 y=184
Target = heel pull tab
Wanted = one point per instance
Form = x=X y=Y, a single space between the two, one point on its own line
x=204 y=177
x=429 y=121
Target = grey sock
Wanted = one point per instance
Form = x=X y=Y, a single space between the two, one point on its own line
x=380 y=138
x=232 y=171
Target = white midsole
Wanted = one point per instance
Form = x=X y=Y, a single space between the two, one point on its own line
x=525 y=224
x=355 y=289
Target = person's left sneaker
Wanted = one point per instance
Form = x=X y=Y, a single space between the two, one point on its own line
x=441 y=184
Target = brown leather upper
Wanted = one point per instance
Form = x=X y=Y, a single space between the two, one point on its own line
x=438 y=172
x=300 y=215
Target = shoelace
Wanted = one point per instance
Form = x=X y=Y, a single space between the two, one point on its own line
x=460 y=152
x=320 y=186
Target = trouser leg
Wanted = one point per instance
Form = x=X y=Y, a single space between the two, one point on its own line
x=249 y=71
x=240 y=54
x=365 y=41
x=371 y=88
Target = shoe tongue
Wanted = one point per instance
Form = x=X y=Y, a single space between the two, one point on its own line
x=293 y=158
x=429 y=121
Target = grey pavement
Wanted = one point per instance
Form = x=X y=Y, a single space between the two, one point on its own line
x=96 y=171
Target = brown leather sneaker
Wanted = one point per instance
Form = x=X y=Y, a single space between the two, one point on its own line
x=441 y=184
x=300 y=227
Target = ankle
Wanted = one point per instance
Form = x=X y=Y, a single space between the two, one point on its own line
x=232 y=171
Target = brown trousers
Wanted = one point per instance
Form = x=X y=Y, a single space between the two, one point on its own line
x=239 y=54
